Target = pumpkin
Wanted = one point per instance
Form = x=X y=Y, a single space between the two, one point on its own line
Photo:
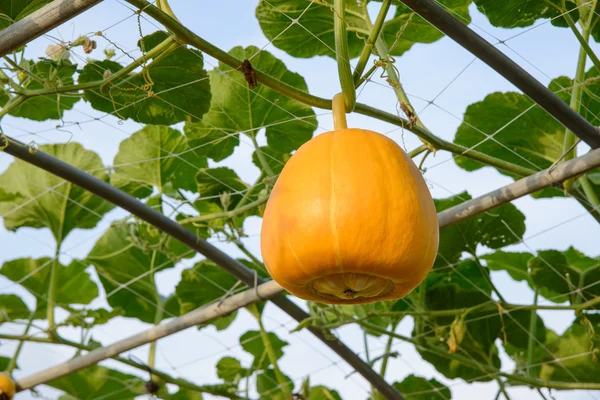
x=7 y=387
x=350 y=219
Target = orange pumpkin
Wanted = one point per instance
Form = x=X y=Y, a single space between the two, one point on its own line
x=350 y=219
x=7 y=387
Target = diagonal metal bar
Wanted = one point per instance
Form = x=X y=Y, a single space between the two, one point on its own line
x=41 y=21
x=172 y=228
x=486 y=52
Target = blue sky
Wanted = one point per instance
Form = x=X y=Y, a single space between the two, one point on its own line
x=545 y=51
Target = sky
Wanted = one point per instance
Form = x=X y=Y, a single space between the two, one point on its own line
x=544 y=50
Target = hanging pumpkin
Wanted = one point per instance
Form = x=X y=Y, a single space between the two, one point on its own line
x=7 y=387
x=350 y=219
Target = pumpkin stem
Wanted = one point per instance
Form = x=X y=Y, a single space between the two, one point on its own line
x=338 y=108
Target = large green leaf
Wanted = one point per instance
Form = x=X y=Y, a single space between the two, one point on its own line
x=128 y=255
x=99 y=382
x=571 y=357
x=417 y=388
x=183 y=394
x=32 y=197
x=4 y=363
x=522 y=134
x=50 y=106
x=214 y=281
x=513 y=263
x=464 y=286
x=502 y=227
x=236 y=108
x=14 y=10
x=74 y=283
x=252 y=342
x=313 y=34
x=180 y=87
x=12 y=307
x=559 y=275
x=522 y=13
x=156 y=156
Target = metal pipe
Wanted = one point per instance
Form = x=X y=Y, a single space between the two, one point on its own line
x=471 y=41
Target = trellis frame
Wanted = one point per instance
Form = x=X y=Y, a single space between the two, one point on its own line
x=23 y=31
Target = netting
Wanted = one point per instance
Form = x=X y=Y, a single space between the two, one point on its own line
x=204 y=148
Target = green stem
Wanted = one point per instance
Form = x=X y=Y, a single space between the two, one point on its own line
x=477 y=365
x=261 y=157
x=222 y=390
x=588 y=189
x=13 y=361
x=582 y=41
x=418 y=150
x=158 y=314
x=249 y=192
x=64 y=89
x=158 y=49
x=226 y=214
x=366 y=76
x=52 y=288
x=271 y=354
x=388 y=349
x=11 y=105
x=420 y=320
x=368 y=49
x=342 y=54
x=164 y=5
x=532 y=333
x=502 y=389
x=569 y=149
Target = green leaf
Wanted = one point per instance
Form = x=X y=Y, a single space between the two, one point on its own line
x=252 y=342
x=552 y=271
x=97 y=381
x=74 y=283
x=214 y=281
x=323 y=393
x=513 y=263
x=230 y=369
x=235 y=108
x=50 y=106
x=156 y=156
x=522 y=134
x=34 y=198
x=417 y=388
x=88 y=318
x=268 y=387
x=274 y=159
x=576 y=350
x=520 y=13
x=4 y=363
x=461 y=286
x=313 y=34
x=219 y=185
x=180 y=87
x=124 y=256
x=501 y=227
x=14 y=10
x=12 y=307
